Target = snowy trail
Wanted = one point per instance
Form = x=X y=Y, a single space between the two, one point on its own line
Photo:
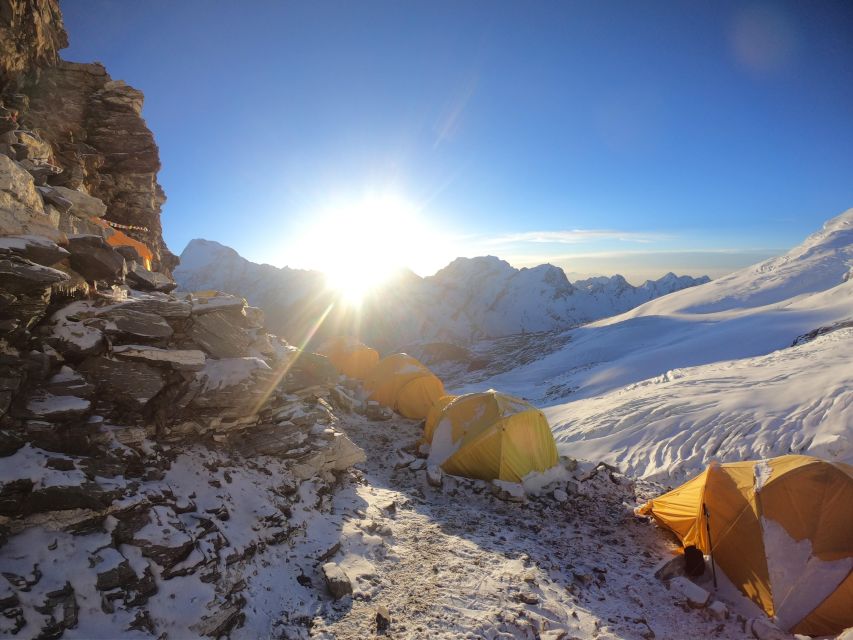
x=457 y=562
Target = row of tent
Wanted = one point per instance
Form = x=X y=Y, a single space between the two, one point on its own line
x=780 y=529
x=487 y=435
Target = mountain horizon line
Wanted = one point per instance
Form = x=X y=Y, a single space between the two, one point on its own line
x=595 y=277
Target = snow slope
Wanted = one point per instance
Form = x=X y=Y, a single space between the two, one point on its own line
x=470 y=299
x=730 y=337
x=797 y=400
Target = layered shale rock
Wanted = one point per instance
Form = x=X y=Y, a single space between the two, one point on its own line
x=145 y=437
x=79 y=135
x=31 y=35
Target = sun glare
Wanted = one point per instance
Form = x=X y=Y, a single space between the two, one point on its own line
x=360 y=245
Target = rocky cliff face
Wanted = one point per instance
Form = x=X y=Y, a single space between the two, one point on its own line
x=116 y=396
x=31 y=35
x=71 y=125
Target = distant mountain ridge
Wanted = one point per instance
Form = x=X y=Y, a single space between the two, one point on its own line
x=469 y=299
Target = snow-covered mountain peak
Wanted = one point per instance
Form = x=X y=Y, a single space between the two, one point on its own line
x=200 y=252
x=821 y=262
x=481 y=266
x=470 y=298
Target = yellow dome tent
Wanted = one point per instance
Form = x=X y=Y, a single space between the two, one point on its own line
x=434 y=416
x=782 y=531
x=401 y=382
x=350 y=357
x=491 y=435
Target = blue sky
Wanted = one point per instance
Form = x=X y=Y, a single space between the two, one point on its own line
x=630 y=137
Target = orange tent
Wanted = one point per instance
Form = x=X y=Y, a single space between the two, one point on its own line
x=782 y=531
x=350 y=357
x=116 y=238
x=401 y=382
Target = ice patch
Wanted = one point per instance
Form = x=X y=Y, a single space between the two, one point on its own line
x=539 y=482
x=763 y=471
x=218 y=374
x=799 y=581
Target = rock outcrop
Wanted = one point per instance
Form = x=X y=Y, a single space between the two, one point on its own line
x=80 y=135
x=31 y=35
x=126 y=412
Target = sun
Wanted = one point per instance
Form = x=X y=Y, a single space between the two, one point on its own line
x=361 y=244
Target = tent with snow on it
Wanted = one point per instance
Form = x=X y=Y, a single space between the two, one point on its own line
x=402 y=383
x=782 y=532
x=492 y=436
x=350 y=356
x=434 y=415
x=117 y=238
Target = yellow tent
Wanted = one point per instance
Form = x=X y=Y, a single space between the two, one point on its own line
x=401 y=382
x=350 y=357
x=491 y=435
x=434 y=416
x=782 y=531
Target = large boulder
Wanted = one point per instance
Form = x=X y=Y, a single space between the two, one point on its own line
x=141 y=278
x=123 y=323
x=177 y=359
x=53 y=197
x=221 y=334
x=82 y=204
x=28 y=145
x=72 y=332
x=19 y=275
x=22 y=311
x=337 y=454
x=67 y=382
x=128 y=383
x=160 y=304
x=46 y=406
x=230 y=387
x=94 y=259
x=87 y=495
x=308 y=369
x=38 y=249
x=17 y=187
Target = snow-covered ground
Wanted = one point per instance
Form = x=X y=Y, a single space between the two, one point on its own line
x=710 y=371
x=797 y=400
x=454 y=561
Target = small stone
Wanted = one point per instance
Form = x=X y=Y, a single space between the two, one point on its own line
x=765 y=630
x=434 y=475
x=337 y=582
x=560 y=495
x=509 y=491
x=376 y=412
x=388 y=506
x=695 y=595
x=402 y=459
x=383 y=618
x=718 y=610
x=670 y=569
x=527 y=597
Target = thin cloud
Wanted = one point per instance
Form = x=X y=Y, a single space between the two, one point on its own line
x=577 y=236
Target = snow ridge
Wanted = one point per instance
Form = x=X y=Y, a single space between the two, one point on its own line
x=469 y=299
